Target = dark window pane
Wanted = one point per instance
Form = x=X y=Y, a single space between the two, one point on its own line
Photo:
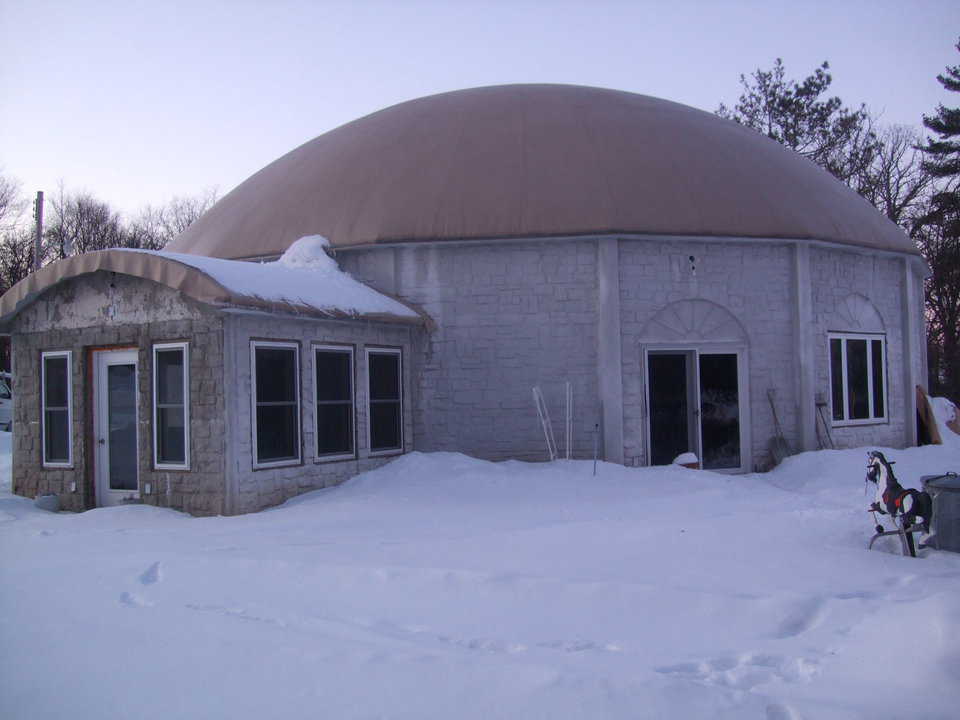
x=334 y=381
x=384 y=374
x=385 y=426
x=669 y=420
x=276 y=374
x=335 y=429
x=56 y=381
x=57 y=431
x=171 y=434
x=857 y=390
x=277 y=435
x=878 y=394
x=122 y=426
x=170 y=377
x=719 y=412
x=836 y=377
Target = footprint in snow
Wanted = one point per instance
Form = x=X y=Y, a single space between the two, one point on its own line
x=857 y=595
x=779 y=711
x=152 y=574
x=576 y=646
x=134 y=600
x=805 y=616
x=745 y=672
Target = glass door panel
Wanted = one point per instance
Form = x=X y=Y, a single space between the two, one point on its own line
x=719 y=412
x=122 y=426
x=670 y=427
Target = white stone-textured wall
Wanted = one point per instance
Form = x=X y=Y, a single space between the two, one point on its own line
x=251 y=489
x=835 y=276
x=753 y=281
x=509 y=316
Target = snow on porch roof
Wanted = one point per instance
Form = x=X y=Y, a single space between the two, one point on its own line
x=304 y=281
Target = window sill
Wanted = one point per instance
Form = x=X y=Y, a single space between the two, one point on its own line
x=386 y=453
x=859 y=423
x=57 y=466
x=171 y=468
x=293 y=462
x=321 y=459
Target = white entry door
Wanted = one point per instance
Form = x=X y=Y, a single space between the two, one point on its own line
x=115 y=425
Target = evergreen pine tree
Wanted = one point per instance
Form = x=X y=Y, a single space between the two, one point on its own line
x=943 y=154
x=939 y=238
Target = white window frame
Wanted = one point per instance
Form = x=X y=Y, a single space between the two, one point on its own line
x=285 y=462
x=347 y=350
x=373 y=350
x=68 y=354
x=157 y=464
x=868 y=337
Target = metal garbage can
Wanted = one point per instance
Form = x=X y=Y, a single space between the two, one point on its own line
x=945 y=491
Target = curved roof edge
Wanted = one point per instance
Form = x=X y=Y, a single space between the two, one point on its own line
x=913 y=252
x=535 y=160
x=223 y=284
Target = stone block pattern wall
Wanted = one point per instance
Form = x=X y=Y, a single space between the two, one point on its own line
x=106 y=311
x=835 y=275
x=509 y=316
x=753 y=281
x=512 y=315
x=255 y=489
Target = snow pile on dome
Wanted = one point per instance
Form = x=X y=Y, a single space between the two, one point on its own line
x=310 y=252
x=304 y=276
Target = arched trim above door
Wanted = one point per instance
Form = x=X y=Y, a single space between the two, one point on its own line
x=694 y=320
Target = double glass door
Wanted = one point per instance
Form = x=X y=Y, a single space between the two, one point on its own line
x=695 y=403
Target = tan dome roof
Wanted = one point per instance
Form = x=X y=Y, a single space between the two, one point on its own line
x=535 y=160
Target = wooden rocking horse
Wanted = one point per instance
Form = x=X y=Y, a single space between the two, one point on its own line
x=904 y=506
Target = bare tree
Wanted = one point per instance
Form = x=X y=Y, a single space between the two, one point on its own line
x=12 y=202
x=896 y=182
x=16 y=238
x=16 y=256
x=154 y=227
x=81 y=223
x=181 y=212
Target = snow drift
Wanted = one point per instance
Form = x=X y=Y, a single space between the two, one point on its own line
x=442 y=586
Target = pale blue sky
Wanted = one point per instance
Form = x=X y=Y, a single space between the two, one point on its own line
x=139 y=101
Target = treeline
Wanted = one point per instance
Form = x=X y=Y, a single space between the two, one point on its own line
x=913 y=179
x=78 y=222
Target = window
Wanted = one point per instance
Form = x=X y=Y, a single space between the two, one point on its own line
x=333 y=388
x=858 y=378
x=385 y=407
x=276 y=403
x=57 y=390
x=171 y=406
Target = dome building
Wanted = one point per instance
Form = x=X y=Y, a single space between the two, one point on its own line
x=670 y=281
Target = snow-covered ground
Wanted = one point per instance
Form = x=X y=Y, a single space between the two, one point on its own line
x=446 y=587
